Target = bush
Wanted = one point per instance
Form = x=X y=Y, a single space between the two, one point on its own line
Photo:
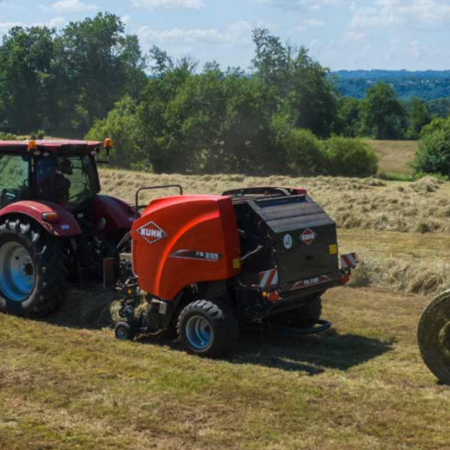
x=40 y=134
x=433 y=154
x=304 y=152
x=7 y=137
x=121 y=126
x=350 y=158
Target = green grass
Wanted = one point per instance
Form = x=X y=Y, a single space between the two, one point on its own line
x=360 y=386
x=395 y=156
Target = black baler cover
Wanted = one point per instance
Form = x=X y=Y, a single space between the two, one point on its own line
x=285 y=225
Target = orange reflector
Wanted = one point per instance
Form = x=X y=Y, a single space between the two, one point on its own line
x=108 y=144
x=274 y=296
x=32 y=145
x=51 y=217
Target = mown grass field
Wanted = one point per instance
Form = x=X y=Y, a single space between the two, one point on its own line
x=394 y=156
x=66 y=383
x=360 y=386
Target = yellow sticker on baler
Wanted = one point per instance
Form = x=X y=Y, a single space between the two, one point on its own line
x=236 y=264
x=333 y=249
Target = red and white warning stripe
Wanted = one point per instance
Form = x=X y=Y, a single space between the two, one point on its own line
x=268 y=278
x=349 y=261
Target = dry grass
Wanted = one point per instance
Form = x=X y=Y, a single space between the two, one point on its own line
x=400 y=230
x=360 y=387
x=394 y=156
x=370 y=204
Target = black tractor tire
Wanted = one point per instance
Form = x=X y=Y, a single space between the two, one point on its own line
x=434 y=337
x=208 y=328
x=36 y=257
x=304 y=317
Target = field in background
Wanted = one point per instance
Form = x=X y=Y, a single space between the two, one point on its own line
x=67 y=383
x=394 y=156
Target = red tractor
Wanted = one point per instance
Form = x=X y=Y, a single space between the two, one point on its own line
x=55 y=228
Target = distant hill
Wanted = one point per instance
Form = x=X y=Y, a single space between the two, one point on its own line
x=427 y=85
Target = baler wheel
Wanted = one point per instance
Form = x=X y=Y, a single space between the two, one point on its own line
x=434 y=337
x=33 y=269
x=305 y=317
x=208 y=328
x=124 y=332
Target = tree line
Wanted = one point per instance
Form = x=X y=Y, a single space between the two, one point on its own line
x=284 y=115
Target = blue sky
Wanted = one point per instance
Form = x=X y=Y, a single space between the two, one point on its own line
x=341 y=34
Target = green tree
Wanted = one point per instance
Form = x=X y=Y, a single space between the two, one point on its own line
x=418 y=116
x=349 y=117
x=121 y=125
x=27 y=84
x=382 y=113
x=433 y=154
x=101 y=64
x=297 y=82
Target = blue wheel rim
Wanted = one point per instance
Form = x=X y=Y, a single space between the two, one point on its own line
x=17 y=272
x=199 y=333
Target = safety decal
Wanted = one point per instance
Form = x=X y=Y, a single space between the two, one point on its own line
x=287 y=241
x=349 y=261
x=311 y=282
x=308 y=236
x=268 y=278
x=151 y=232
x=197 y=255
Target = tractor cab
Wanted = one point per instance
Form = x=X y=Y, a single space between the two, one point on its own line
x=67 y=178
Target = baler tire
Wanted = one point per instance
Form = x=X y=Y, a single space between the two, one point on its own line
x=222 y=322
x=307 y=316
x=434 y=337
x=41 y=289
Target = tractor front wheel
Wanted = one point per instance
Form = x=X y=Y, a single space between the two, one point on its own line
x=208 y=328
x=32 y=269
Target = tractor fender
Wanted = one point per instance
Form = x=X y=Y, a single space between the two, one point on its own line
x=111 y=214
x=67 y=226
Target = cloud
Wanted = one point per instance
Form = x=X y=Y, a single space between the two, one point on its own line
x=353 y=36
x=314 y=23
x=153 y=4
x=387 y=13
x=72 y=6
x=6 y=26
x=211 y=36
x=300 y=4
x=57 y=22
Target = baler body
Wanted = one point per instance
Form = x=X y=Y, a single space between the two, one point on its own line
x=183 y=240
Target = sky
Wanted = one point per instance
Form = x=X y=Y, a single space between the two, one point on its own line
x=341 y=34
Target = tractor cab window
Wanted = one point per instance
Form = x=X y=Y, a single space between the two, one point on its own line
x=13 y=179
x=67 y=181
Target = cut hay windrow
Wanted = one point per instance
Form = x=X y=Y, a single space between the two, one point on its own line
x=372 y=204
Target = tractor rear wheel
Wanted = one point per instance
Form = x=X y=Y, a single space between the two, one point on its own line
x=208 y=328
x=434 y=337
x=32 y=269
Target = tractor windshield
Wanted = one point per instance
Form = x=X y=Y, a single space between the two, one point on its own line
x=67 y=181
